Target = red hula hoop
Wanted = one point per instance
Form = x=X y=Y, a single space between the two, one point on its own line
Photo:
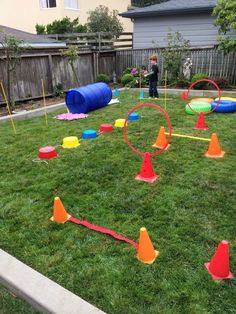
x=168 y=122
x=203 y=80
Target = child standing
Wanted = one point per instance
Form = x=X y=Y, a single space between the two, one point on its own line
x=153 y=77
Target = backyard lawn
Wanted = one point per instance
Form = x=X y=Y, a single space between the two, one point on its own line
x=187 y=212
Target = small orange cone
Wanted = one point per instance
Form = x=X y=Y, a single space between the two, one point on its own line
x=214 y=150
x=59 y=213
x=161 y=140
x=147 y=173
x=218 y=267
x=146 y=252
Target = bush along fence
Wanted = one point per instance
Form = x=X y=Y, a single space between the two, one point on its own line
x=57 y=72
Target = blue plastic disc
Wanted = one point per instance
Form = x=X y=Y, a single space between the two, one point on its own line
x=134 y=116
x=87 y=134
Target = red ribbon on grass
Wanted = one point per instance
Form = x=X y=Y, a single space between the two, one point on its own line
x=102 y=230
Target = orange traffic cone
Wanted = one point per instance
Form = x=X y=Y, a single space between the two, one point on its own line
x=161 y=140
x=59 y=213
x=214 y=150
x=147 y=173
x=146 y=252
x=219 y=264
x=201 y=125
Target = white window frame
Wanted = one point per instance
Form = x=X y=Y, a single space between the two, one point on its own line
x=46 y=7
x=68 y=7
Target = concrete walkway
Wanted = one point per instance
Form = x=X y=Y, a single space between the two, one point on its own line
x=33 y=113
x=43 y=294
x=195 y=92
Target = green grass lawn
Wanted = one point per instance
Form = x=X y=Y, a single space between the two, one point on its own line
x=187 y=212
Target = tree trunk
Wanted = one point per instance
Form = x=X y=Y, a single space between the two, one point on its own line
x=8 y=78
x=9 y=81
x=75 y=74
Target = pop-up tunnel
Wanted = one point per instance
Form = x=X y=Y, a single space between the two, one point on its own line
x=88 y=98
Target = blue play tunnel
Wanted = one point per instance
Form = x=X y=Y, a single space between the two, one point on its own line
x=88 y=98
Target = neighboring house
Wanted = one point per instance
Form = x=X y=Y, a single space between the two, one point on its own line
x=25 y=14
x=189 y=17
x=30 y=40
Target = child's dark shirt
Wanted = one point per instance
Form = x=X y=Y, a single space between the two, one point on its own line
x=154 y=73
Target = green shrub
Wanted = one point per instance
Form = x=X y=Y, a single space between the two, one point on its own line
x=182 y=83
x=103 y=78
x=126 y=79
x=40 y=29
x=221 y=82
x=127 y=71
x=163 y=83
x=199 y=76
x=136 y=82
x=59 y=90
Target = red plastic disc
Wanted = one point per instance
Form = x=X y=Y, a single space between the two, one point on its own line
x=168 y=122
x=47 y=152
x=203 y=80
x=106 y=127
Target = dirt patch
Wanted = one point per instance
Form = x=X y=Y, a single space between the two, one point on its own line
x=32 y=104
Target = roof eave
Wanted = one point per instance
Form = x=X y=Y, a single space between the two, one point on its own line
x=165 y=12
x=41 y=45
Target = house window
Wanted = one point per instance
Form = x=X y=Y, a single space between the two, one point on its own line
x=48 y=4
x=71 y=4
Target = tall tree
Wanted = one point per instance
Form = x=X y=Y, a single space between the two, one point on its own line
x=174 y=54
x=144 y=3
x=71 y=54
x=225 y=12
x=62 y=26
x=102 y=20
x=13 y=49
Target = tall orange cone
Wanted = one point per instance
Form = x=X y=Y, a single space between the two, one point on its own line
x=161 y=140
x=214 y=150
x=146 y=252
x=59 y=213
x=147 y=173
x=218 y=267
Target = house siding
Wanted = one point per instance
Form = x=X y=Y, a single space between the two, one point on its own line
x=150 y=32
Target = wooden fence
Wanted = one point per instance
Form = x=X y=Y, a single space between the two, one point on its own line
x=210 y=61
x=99 y=41
x=55 y=69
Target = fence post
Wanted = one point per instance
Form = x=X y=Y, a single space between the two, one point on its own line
x=52 y=77
x=94 y=66
x=99 y=41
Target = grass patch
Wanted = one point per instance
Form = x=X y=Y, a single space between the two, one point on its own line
x=187 y=212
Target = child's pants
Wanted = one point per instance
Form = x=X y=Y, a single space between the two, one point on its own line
x=153 y=89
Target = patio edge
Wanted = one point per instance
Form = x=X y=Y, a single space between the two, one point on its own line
x=42 y=293
x=33 y=113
